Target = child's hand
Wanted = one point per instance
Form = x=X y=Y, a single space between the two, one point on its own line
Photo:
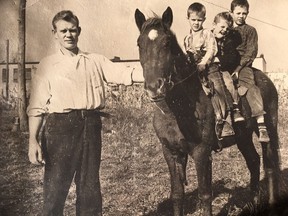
x=190 y=57
x=201 y=68
x=235 y=75
x=235 y=78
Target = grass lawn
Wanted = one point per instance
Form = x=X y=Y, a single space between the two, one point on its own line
x=134 y=175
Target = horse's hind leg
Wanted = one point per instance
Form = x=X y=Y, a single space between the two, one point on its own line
x=271 y=161
x=247 y=148
x=177 y=168
x=272 y=173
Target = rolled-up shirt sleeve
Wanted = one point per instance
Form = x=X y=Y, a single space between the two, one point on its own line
x=210 y=46
x=116 y=73
x=40 y=93
x=64 y=83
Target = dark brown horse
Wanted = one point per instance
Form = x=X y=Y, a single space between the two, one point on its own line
x=184 y=118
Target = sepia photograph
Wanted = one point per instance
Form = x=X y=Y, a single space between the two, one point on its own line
x=143 y=108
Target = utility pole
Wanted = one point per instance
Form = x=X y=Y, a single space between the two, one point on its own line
x=7 y=69
x=22 y=103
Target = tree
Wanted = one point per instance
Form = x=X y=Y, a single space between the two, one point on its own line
x=22 y=102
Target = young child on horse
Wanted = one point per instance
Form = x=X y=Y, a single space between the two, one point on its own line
x=228 y=56
x=243 y=75
x=201 y=47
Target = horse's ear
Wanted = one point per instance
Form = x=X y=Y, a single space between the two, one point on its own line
x=167 y=17
x=139 y=18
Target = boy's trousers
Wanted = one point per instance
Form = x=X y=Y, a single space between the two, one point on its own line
x=222 y=99
x=72 y=149
x=248 y=86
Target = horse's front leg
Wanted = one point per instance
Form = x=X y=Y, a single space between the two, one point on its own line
x=175 y=150
x=203 y=164
x=177 y=168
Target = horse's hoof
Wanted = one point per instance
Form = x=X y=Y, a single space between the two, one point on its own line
x=203 y=210
x=252 y=207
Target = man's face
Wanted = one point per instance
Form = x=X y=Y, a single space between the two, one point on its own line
x=196 y=21
x=221 y=28
x=239 y=15
x=67 y=34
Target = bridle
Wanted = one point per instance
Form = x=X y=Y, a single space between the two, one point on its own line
x=171 y=83
x=167 y=82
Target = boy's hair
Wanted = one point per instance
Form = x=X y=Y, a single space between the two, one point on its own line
x=241 y=3
x=226 y=16
x=197 y=8
x=66 y=15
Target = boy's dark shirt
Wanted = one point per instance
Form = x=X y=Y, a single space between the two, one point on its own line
x=248 y=47
x=228 y=54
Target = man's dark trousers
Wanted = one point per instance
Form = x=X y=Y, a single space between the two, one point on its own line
x=72 y=148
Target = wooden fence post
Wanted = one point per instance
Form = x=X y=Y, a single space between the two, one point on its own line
x=22 y=104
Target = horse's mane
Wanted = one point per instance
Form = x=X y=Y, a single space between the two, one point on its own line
x=152 y=22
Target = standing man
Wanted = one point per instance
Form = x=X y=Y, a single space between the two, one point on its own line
x=67 y=95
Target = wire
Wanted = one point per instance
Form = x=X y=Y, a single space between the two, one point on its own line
x=279 y=27
x=269 y=24
x=216 y=5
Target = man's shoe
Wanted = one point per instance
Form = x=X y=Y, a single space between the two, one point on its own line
x=237 y=116
x=263 y=135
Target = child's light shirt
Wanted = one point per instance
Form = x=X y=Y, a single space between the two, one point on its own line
x=202 y=42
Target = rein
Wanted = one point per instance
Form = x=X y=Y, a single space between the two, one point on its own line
x=184 y=79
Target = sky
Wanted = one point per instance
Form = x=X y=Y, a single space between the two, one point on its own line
x=108 y=26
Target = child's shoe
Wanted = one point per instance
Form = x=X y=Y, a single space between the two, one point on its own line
x=263 y=134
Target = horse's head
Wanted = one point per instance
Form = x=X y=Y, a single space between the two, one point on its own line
x=157 y=49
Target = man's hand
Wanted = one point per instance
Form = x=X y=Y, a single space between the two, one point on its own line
x=35 y=152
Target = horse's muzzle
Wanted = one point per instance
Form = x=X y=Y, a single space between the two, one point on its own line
x=159 y=93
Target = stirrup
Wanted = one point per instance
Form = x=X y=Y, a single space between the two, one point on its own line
x=223 y=129
x=218 y=130
x=237 y=117
x=227 y=129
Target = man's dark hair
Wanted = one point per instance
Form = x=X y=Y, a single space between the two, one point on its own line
x=66 y=15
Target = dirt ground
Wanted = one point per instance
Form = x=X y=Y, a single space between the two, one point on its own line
x=134 y=176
